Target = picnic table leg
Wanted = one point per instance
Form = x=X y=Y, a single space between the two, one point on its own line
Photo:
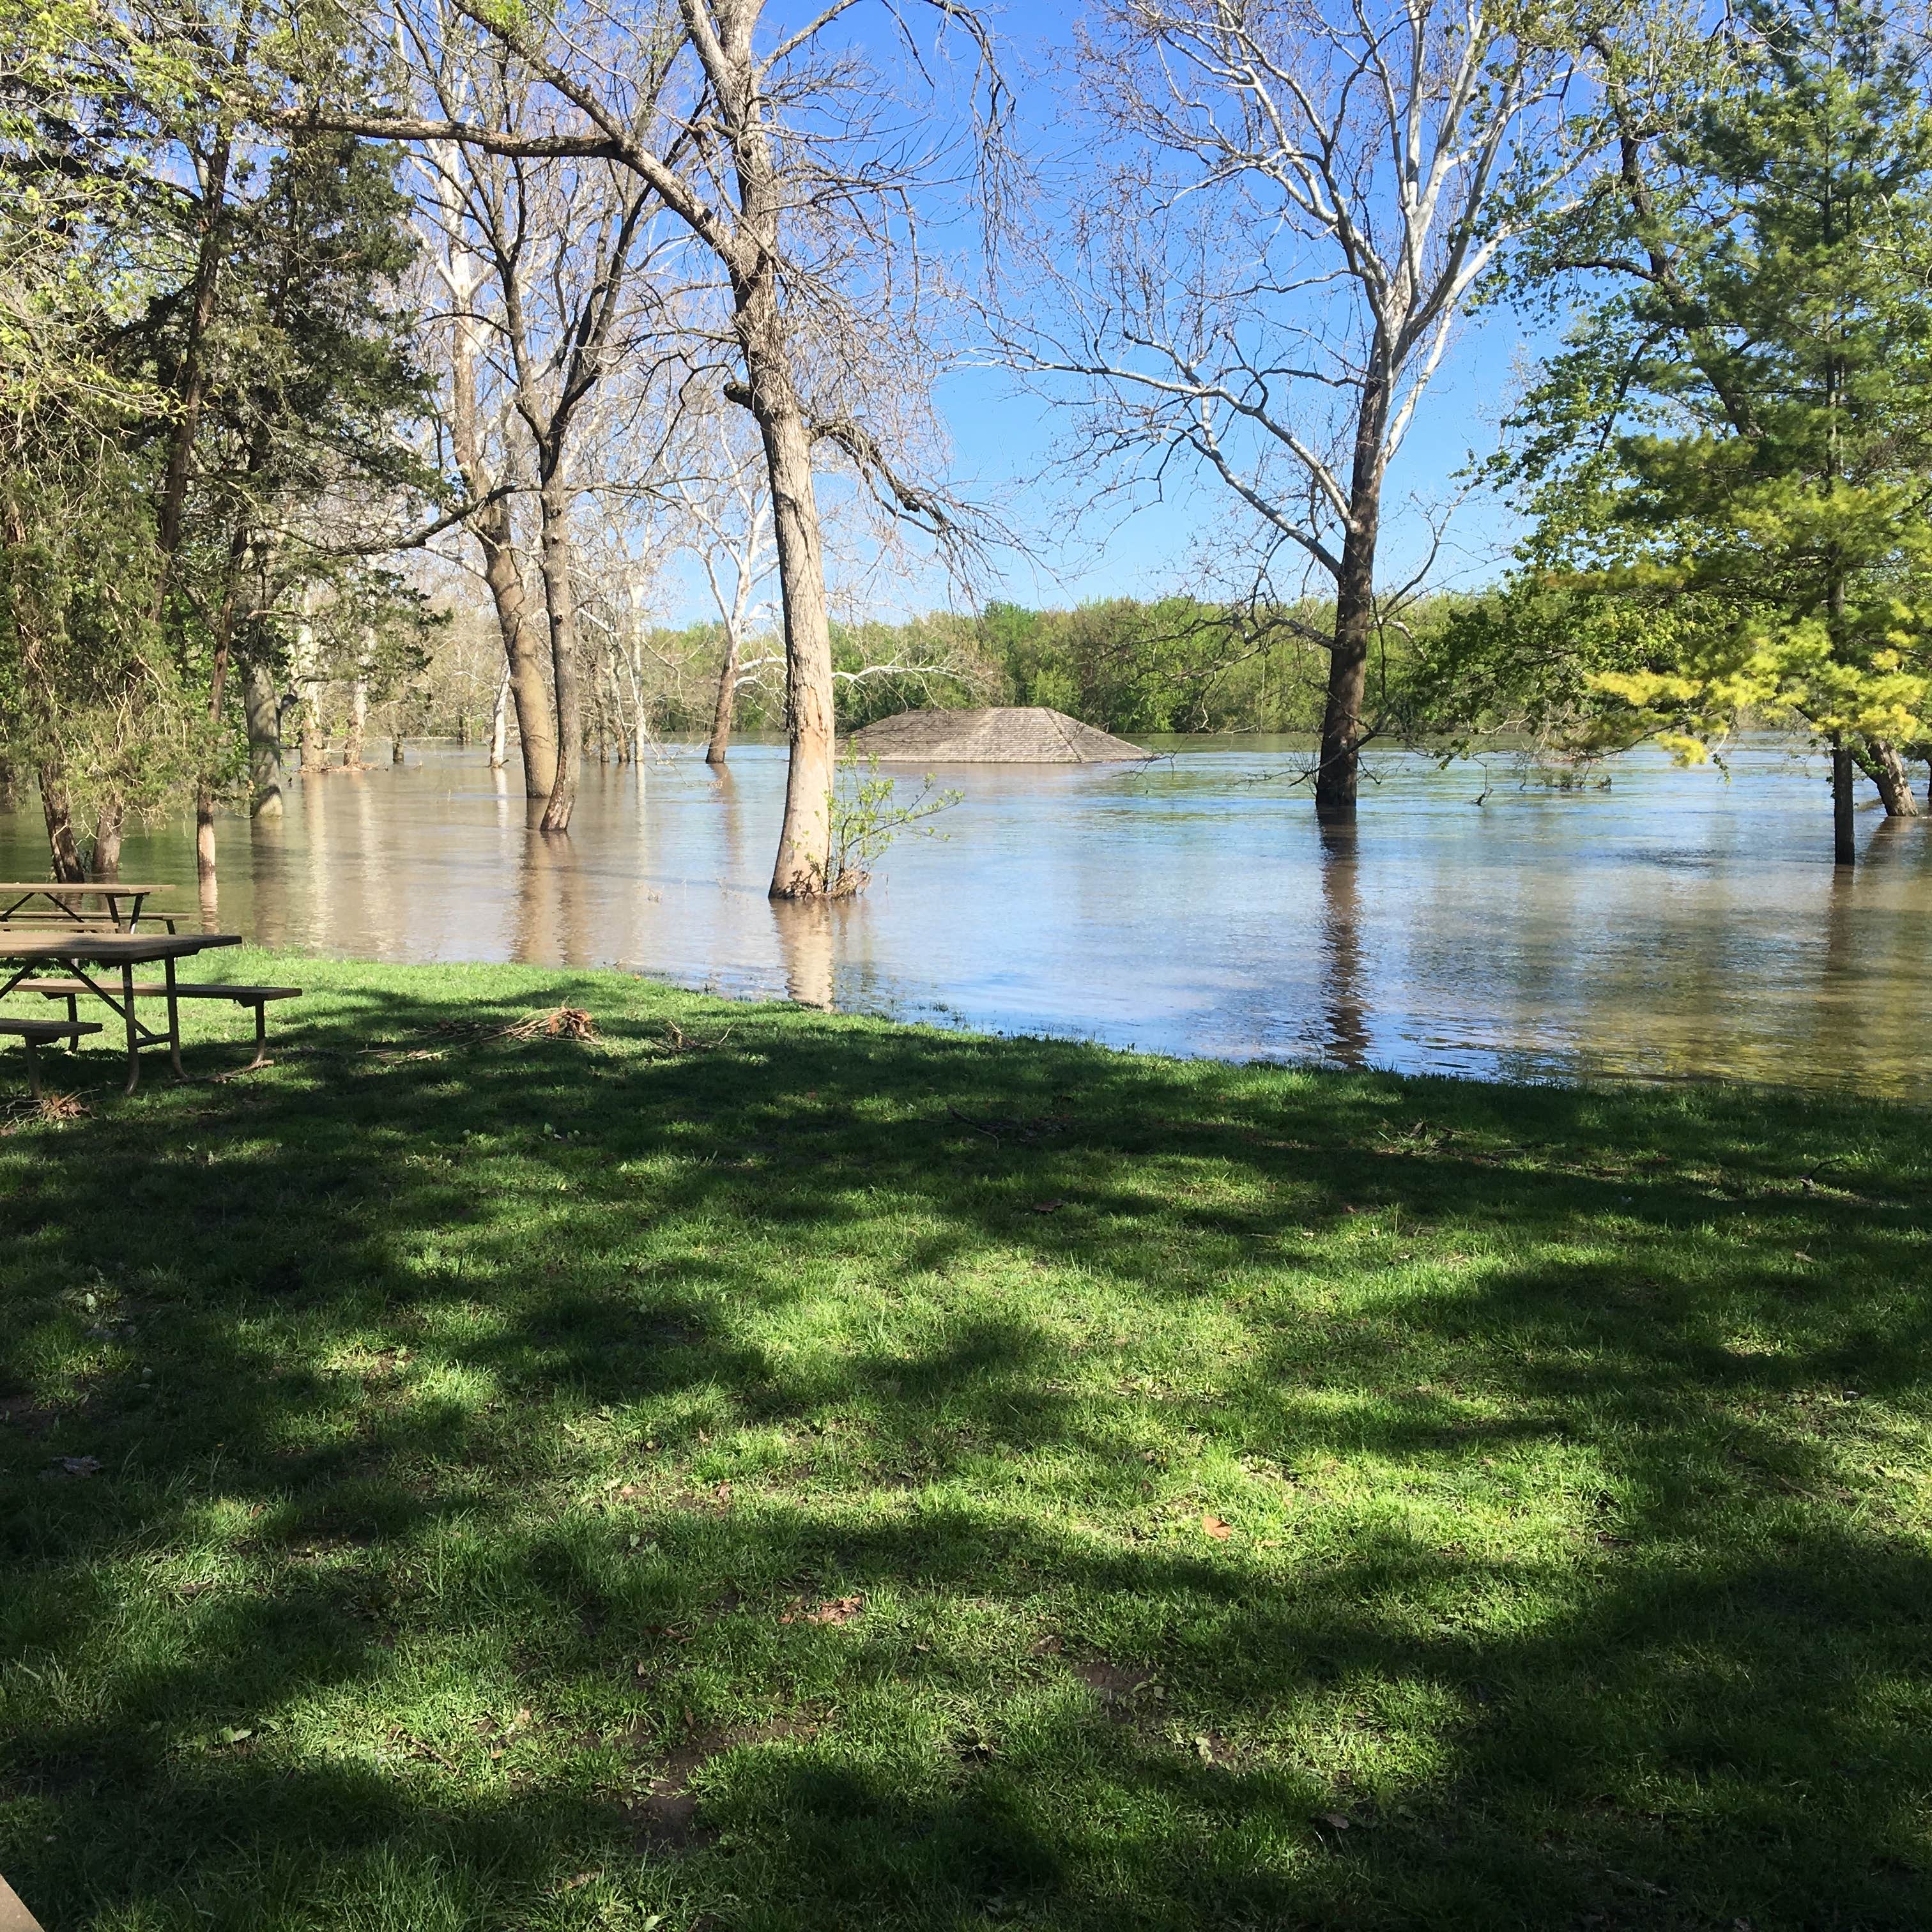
x=33 y=1071
x=73 y=1020
x=133 y=1041
x=174 y=1022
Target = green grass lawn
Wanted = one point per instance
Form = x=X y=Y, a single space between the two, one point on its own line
x=759 y=1470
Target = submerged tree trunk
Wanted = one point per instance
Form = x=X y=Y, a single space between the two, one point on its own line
x=1882 y=763
x=59 y=813
x=554 y=502
x=217 y=696
x=499 y=725
x=358 y=719
x=1844 y=829
x=107 y=830
x=1337 y=777
x=723 y=712
x=804 y=837
x=495 y=533
x=205 y=876
x=261 y=707
x=536 y=729
x=314 y=741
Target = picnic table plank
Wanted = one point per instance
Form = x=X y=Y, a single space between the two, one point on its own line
x=67 y=902
x=99 y=889
x=115 y=949
x=126 y=950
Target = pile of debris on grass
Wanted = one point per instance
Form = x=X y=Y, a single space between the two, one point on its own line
x=1020 y=734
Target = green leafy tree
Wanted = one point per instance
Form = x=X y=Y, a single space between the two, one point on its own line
x=203 y=370
x=1731 y=462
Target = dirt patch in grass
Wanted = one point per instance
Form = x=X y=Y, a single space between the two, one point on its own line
x=23 y=1413
x=664 y=1818
x=1117 y=1686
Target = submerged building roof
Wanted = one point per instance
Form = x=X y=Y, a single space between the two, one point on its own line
x=1023 y=734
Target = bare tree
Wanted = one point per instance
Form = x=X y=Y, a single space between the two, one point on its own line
x=1295 y=201
x=721 y=485
x=493 y=524
x=561 y=241
x=790 y=172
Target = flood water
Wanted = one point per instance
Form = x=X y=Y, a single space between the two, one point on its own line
x=1672 y=926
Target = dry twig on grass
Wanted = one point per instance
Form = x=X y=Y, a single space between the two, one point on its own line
x=52 y=1109
x=559 y=1023
x=675 y=1039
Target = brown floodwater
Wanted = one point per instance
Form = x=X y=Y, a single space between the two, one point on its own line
x=1675 y=924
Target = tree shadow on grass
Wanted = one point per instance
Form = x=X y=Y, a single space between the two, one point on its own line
x=800 y=1424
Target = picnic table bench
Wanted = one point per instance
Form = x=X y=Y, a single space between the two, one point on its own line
x=258 y=998
x=33 y=1034
x=31 y=957
x=53 y=901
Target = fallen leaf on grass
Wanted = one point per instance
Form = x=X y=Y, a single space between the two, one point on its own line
x=1047 y=1207
x=1220 y=1531
x=1333 y=1820
x=79 y=1466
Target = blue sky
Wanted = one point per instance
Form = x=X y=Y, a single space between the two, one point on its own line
x=1002 y=436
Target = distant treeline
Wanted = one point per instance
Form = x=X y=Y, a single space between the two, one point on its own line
x=1176 y=663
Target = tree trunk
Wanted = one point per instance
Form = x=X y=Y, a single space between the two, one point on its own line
x=193 y=377
x=396 y=749
x=358 y=719
x=1844 y=830
x=805 y=838
x=204 y=853
x=107 y=830
x=536 y=729
x=1337 y=775
x=499 y=725
x=495 y=533
x=727 y=707
x=314 y=742
x=261 y=707
x=1882 y=762
x=217 y=696
x=554 y=504
x=59 y=812
x=771 y=392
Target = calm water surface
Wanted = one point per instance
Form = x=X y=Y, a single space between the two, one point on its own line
x=1672 y=926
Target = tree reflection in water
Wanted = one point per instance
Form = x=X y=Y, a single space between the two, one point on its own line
x=1676 y=926
x=1344 y=1033
x=805 y=940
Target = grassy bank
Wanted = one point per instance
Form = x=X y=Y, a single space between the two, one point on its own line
x=763 y=1470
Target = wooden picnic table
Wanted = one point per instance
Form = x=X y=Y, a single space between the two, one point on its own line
x=77 y=951
x=64 y=903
